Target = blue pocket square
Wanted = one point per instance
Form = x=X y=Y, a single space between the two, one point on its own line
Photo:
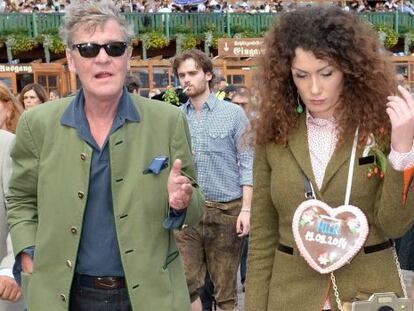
x=157 y=165
x=175 y=219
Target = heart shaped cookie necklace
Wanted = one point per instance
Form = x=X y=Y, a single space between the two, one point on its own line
x=328 y=238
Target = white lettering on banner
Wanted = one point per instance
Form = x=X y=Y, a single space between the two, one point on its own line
x=15 y=68
x=243 y=51
x=248 y=43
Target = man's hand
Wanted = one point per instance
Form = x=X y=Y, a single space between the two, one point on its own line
x=9 y=289
x=243 y=223
x=179 y=188
x=27 y=263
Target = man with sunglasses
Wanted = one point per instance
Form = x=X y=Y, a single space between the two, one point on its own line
x=99 y=181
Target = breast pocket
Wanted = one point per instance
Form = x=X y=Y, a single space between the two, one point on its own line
x=219 y=140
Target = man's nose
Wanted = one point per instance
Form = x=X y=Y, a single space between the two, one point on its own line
x=186 y=79
x=102 y=55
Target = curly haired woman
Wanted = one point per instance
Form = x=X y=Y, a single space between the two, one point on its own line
x=327 y=91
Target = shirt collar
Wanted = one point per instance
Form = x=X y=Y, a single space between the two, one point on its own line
x=319 y=122
x=210 y=103
x=74 y=114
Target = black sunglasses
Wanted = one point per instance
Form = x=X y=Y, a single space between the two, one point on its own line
x=89 y=50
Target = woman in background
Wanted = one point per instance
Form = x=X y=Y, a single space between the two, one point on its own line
x=33 y=94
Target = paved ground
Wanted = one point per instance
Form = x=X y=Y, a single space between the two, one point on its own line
x=240 y=295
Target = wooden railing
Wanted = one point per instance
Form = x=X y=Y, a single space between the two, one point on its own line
x=258 y=23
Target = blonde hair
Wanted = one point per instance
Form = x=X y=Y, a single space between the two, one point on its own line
x=12 y=106
x=91 y=14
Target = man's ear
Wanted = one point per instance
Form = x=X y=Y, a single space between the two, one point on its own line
x=69 y=58
x=129 y=51
x=209 y=76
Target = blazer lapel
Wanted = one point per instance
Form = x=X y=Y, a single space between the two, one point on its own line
x=340 y=157
x=298 y=145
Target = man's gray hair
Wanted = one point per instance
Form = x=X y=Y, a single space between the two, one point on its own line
x=91 y=14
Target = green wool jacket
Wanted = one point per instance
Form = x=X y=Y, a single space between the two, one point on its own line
x=49 y=190
x=277 y=281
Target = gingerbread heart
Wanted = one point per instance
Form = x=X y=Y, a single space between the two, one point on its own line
x=328 y=238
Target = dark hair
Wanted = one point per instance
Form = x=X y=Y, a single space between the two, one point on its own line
x=202 y=61
x=132 y=83
x=345 y=41
x=38 y=89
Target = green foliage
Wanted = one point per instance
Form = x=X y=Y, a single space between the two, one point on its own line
x=213 y=37
x=52 y=41
x=404 y=29
x=18 y=39
x=216 y=37
x=242 y=31
x=410 y=37
x=15 y=31
x=182 y=29
x=391 y=36
x=147 y=30
x=171 y=97
x=210 y=27
x=155 y=39
x=189 y=42
x=215 y=33
x=20 y=43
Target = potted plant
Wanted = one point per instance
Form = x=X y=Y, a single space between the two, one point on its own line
x=51 y=40
x=154 y=39
x=387 y=35
x=18 y=40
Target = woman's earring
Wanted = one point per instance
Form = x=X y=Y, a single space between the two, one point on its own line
x=299 y=107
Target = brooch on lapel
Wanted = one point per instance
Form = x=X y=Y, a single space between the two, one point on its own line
x=376 y=159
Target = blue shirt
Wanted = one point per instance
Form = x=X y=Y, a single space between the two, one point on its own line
x=98 y=253
x=222 y=156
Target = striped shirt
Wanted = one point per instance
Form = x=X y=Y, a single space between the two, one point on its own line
x=221 y=156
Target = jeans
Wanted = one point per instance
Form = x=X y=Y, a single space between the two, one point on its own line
x=91 y=299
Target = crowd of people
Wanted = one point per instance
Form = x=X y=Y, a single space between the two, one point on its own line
x=119 y=202
x=213 y=6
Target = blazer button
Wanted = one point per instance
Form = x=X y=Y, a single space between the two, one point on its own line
x=74 y=230
x=63 y=297
x=69 y=263
x=83 y=156
x=81 y=195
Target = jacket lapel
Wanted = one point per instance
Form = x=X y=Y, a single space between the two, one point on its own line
x=298 y=145
x=340 y=157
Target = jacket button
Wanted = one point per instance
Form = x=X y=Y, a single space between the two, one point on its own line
x=81 y=195
x=62 y=297
x=83 y=156
x=69 y=263
x=74 y=230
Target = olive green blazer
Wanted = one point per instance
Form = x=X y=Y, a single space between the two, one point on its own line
x=49 y=189
x=277 y=281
